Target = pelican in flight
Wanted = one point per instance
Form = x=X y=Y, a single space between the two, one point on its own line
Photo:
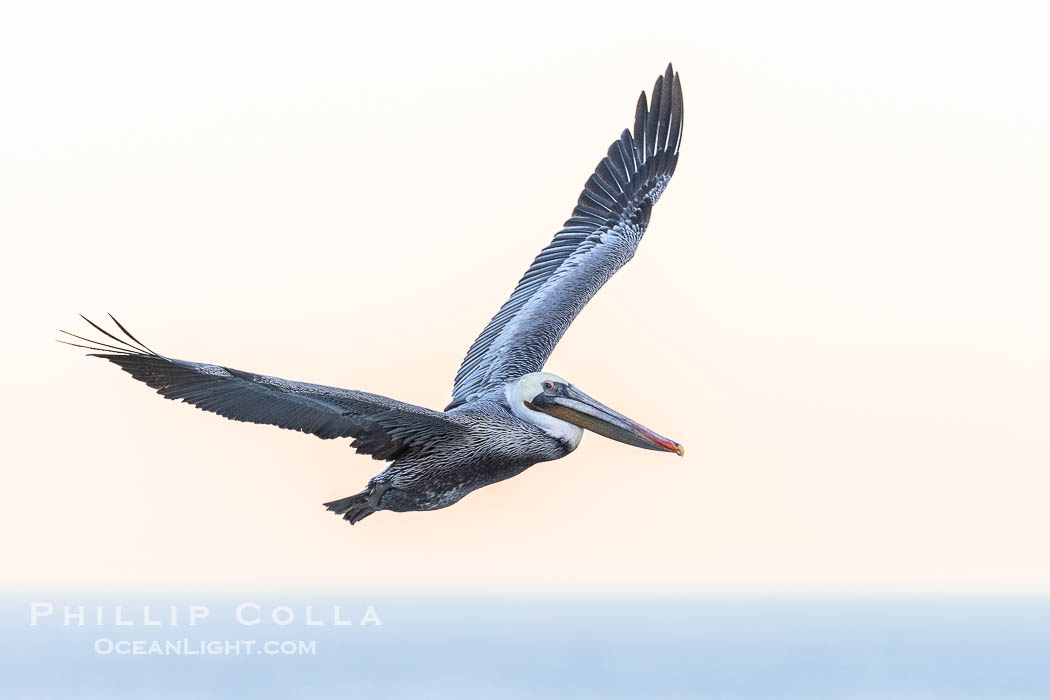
x=506 y=413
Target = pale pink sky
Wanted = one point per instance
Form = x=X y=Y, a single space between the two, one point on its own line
x=840 y=307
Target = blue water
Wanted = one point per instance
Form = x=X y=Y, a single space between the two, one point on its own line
x=504 y=648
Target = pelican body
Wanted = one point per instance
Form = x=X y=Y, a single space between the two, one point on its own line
x=506 y=414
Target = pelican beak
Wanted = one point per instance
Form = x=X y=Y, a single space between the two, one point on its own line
x=572 y=405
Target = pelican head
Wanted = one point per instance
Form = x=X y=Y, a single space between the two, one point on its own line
x=562 y=410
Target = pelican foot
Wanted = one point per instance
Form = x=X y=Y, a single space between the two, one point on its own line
x=360 y=505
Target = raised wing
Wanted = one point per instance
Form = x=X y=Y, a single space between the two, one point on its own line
x=600 y=237
x=382 y=427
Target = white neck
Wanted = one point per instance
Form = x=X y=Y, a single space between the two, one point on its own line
x=555 y=427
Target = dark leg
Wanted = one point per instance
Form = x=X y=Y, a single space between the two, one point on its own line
x=360 y=505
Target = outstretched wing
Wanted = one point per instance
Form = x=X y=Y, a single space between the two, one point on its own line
x=382 y=427
x=599 y=238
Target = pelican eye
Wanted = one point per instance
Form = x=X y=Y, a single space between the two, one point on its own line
x=548 y=385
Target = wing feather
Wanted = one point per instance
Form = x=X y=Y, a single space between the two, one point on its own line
x=602 y=234
x=382 y=427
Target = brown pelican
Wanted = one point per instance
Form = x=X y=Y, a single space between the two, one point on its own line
x=506 y=414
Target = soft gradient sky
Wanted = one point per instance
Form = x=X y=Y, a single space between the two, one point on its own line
x=840 y=307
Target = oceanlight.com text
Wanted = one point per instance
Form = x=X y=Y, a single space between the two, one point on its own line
x=105 y=646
